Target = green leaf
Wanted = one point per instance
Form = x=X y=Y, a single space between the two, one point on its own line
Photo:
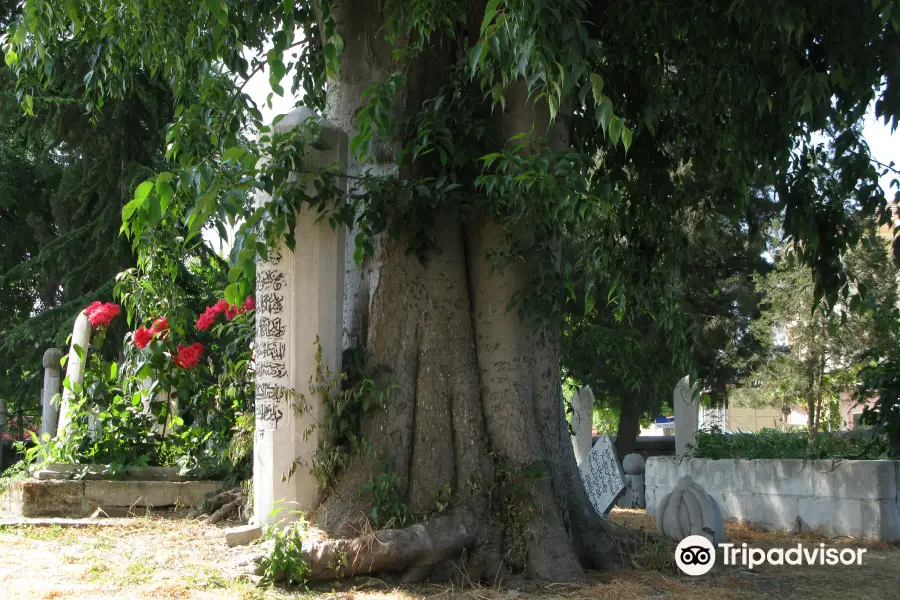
x=128 y=209
x=72 y=13
x=143 y=190
x=234 y=274
x=626 y=138
x=165 y=193
x=489 y=13
x=475 y=57
x=615 y=129
x=597 y=88
x=235 y=153
x=232 y=294
x=28 y=105
x=219 y=9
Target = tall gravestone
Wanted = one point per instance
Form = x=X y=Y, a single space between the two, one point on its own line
x=602 y=475
x=582 y=422
x=81 y=337
x=686 y=415
x=52 y=378
x=299 y=297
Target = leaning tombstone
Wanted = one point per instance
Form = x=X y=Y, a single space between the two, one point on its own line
x=689 y=510
x=52 y=378
x=299 y=300
x=582 y=422
x=81 y=337
x=602 y=475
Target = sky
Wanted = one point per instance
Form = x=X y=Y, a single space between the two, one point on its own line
x=883 y=145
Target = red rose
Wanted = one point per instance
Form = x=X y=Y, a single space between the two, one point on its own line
x=101 y=314
x=249 y=303
x=220 y=306
x=206 y=320
x=160 y=325
x=142 y=337
x=188 y=357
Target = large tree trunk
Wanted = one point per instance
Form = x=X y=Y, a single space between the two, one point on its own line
x=478 y=405
x=629 y=425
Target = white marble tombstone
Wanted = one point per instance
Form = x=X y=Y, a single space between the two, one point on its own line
x=299 y=296
x=686 y=409
x=582 y=422
x=52 y=379
x=81 y=338
x=602 y=475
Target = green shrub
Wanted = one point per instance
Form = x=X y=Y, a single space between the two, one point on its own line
x=715 y=444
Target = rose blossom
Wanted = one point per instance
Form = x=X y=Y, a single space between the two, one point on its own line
x=188 y=357
x=142 y=337
x=160 y=326
x=100 y=314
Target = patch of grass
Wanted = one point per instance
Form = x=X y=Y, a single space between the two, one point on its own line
x=653 y=554
x=137 y=572
x=96 y=572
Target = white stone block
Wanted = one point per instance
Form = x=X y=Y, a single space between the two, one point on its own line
x=299 y=297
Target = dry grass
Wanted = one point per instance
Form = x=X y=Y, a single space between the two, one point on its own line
x=179 y=558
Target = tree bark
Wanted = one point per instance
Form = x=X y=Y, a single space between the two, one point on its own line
x=629 y=425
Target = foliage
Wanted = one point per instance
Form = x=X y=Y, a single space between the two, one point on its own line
x=767 y=444
x=810 y=353
x=64 y=177
x=154 y=409
x=605 y=420
x=881 y=377
x=581 y=64
x=388 y=492
x=513 y=501
x=284 y=559
x=348 y=397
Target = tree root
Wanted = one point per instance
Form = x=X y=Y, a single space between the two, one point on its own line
x=411 y=551
x=225 y=504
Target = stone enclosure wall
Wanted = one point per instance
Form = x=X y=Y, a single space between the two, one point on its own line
x=856 y=498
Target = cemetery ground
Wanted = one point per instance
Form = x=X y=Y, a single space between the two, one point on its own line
x=167 y=557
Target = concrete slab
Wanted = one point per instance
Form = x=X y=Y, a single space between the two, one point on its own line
x=241 y=536
x=80 y=499
x=102 y=472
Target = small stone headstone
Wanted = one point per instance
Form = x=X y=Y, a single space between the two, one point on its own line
x=689 y=510
x=602 y=475
x=633 y=465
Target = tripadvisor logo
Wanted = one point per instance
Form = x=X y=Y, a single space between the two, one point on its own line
x=695 y=555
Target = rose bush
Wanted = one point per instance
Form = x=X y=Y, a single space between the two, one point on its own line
x=171 y=399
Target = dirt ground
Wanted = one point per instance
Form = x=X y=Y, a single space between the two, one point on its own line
x=173 y=558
